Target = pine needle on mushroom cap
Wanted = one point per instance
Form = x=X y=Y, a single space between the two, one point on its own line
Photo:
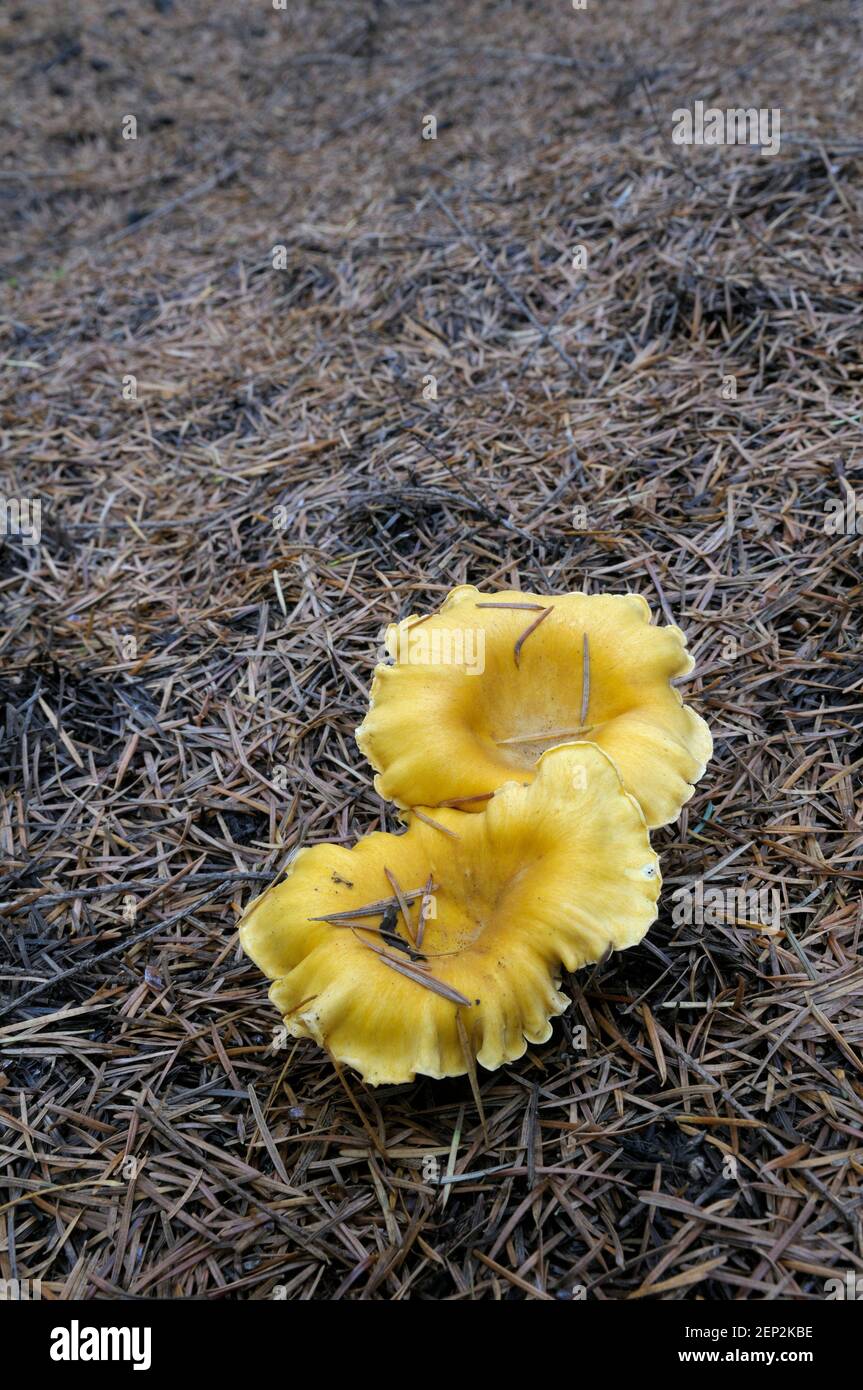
x=444 y=731
x=550 y=876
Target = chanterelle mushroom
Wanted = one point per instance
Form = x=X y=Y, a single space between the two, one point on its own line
x=481 y=688
x=416 y=952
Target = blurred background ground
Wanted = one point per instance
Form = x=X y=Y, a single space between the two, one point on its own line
x=183 y=664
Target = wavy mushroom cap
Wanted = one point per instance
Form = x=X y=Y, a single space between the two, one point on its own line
x=552 y=875
x=473 y=699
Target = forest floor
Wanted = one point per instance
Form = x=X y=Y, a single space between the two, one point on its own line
x=241 y=482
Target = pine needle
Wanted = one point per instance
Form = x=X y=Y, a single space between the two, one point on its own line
x=385 y=954
x=470 y=1063
x=436 y=825
x=541 y=736
x=585 y=677
x=466 y=800
x=528 y=630
x=529 y=607
x=376 y=909
x=453 y=1153
x=427 y=981
x=400 y=898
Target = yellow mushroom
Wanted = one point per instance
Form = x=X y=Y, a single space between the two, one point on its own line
x=478 y=691
x=417 y=952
